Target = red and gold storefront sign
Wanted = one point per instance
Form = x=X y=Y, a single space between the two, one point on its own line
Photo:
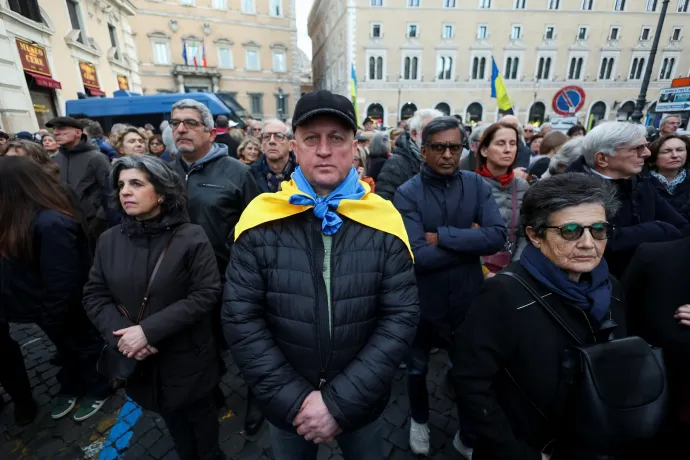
x=88 y=74
x=33 y=57
x=123 y=82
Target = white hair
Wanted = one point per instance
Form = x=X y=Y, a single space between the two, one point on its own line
x=415 y=123
x=204 y=112
x=666 y=116
x=274 y=121
x=477 y=133
x=607 y=137
x=569 y=152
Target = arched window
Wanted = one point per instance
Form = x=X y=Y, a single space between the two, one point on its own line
x=625 y=112
x=407 y=111
x=449 y=68
x=609 y=69
x=506 y=73
x=475 y=68
x=474 y=112
x=379 y=68
x=443 y=107
x=537 y=112
x=372 y=68
x=513 y=74
x=375 y=112
x=596 y=113
x=669 y=69
x=547 y=68
x=578 y=71
x=640 y=69
x=540 y=70
x=482 y=67
x=440 y=67
x=406 y=74
x=602 y=71
x=414 y=68
x=633 y=69
x=571 y=71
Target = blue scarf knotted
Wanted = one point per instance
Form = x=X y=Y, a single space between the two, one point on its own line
x=592 y=294
x=325 y=207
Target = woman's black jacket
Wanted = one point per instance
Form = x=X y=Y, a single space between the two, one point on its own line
x=177 y=319
x=506 y=329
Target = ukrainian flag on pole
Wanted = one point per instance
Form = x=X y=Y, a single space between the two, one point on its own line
x=353 y=89
x=498 y=89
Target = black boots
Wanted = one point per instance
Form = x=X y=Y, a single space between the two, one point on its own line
x=254 y=418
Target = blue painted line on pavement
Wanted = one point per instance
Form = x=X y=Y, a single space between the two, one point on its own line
x=121 y=433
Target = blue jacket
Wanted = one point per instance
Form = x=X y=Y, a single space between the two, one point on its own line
x=105 y=147
x=644 y=217
x=449 y=275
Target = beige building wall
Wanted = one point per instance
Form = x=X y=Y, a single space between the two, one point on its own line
x=250 y=45
x=448 y=32
x=67 y=43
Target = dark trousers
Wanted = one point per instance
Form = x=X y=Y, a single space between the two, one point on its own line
x=13 y=376
x=194 y=430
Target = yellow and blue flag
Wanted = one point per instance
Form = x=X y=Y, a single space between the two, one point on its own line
x=499 y=90
x=353 y=90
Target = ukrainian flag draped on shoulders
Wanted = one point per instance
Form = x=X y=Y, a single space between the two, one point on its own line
x=352 y=199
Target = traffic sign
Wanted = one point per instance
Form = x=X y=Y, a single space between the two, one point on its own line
x=674 y=100
x=568 y=100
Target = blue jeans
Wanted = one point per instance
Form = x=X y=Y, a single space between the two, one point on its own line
x=363 y=444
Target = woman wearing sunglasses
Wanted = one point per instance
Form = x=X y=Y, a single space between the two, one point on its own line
x=508 y=350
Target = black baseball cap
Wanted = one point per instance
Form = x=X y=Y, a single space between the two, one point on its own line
x=368 y=120
x=324 y=102
x=61 y=122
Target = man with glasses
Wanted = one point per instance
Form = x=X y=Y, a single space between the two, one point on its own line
x=616 y=151
x=277 y=162
x=528 y=134
x=218 y=188
x=452 y=219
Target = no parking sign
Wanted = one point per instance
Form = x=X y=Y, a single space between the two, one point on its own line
x=568 y=100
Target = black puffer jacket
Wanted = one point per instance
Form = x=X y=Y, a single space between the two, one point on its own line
x=177 y=319
x=397 y=169
x=276 y=317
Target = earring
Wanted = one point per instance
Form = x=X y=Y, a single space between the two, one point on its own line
x=160 y=200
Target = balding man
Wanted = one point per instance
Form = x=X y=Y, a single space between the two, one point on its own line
x=277 y=162
x=524 y=154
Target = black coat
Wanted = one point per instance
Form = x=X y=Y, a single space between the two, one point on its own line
x=177 y=319
x=259 y=168
x=506 y=329
x=229 y=141
x=397 y=169
x=449 y=275
x=680 y=200
x=644 y=217
x=276 y=317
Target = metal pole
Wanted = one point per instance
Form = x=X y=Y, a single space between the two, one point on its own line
x=636 y=116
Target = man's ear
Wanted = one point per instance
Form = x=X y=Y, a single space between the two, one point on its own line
x=601 y=160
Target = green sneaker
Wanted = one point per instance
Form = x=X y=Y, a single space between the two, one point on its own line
x=87 y=407
x=63 y=406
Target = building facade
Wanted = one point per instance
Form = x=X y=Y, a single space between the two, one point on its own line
x=411 y=54
x=52 y=51
x=247 y=48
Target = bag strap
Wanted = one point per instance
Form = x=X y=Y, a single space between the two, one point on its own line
x=544 y=304
x=153 y=277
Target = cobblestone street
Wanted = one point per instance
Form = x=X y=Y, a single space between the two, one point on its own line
x=121 y=431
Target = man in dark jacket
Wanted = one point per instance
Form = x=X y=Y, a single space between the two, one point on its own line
x=277 y=162
x=616 y=151
x=219 y=188
x=320 y=303
x=95 y=132
x=85 y=170
x=407 y=157
x=223 y=136
x=452 y=219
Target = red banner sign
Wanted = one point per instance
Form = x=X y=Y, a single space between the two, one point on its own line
x=33 y=58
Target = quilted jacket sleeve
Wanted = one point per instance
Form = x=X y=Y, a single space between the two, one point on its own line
x=391 y=177
x=350 y=395
x=279 y=388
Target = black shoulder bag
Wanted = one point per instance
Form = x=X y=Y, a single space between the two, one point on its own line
x=112 y=364
x=611 y=394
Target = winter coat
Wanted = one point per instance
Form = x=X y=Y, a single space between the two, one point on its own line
x=105 y=148
x=680 y=199
x=219 y=188
x=85 y=169
x=397 y=169
x=259 y=170
x=374 y=165
x=177 y=318
x=289 y=340
x=504 y=199
x=644 y=217
x=506 y=329
x=449 y=275
x=230 y=142
x=524 y=154
x=469 y=163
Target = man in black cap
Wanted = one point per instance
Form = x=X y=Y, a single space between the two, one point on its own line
x=85 y=170
x=320 y=303
x=368 y=124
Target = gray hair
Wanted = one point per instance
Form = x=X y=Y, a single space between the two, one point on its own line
x=477 y=133
x=544 y=125
x=556 y=193
x=273 y=121
x=569 y=152
x=380 y=145
x=444 y=123
x=666 y=116
x=607 y=137
x=165 y=181
x=204 y=112
x=415 y=123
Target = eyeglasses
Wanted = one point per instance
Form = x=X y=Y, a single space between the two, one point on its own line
x=528 y=130
x=598 y=230
x=189 y=123
x=155 y=143
x=266 y=137
x=439 y=148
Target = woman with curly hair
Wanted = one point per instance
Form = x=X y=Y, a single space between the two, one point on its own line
x=130 y=141
x=249 y=150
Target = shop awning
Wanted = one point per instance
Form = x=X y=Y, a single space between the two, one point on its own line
x=95 y=91
x=42 y=80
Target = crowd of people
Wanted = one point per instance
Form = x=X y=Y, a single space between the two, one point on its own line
x=325 y=256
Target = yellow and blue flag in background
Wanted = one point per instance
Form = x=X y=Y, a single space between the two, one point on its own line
x=498 y=89
x=353 y=90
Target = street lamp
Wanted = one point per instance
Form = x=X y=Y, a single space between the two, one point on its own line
x=636 y=116
x=281 y=95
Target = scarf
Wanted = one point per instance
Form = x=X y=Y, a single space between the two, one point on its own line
x=504 y=179
x=414 y=148
x=592 y=295
x=352 y=199
x=273 y=179
x=670 y=185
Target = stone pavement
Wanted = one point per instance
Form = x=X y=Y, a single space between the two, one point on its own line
x=118 y=432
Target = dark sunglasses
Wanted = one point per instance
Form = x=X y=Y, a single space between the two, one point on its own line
x=440 y=148
x=155 y=143
x=573 y=232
